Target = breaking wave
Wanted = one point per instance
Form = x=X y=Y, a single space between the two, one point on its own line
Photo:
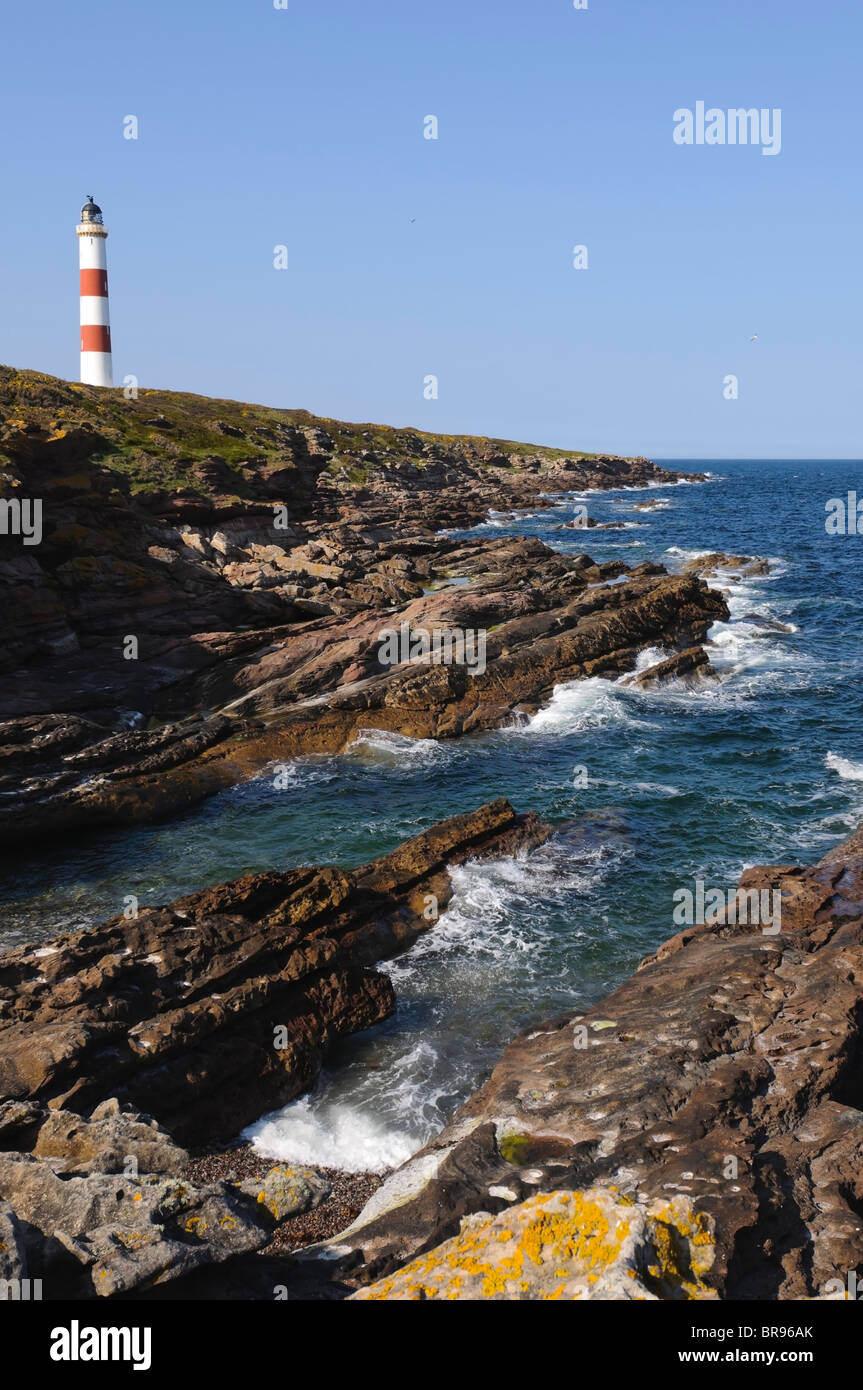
x=848 y=771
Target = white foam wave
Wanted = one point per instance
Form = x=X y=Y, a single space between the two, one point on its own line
x=379 y=745
x=624 y=487
x=331 y=1133
x=741 y=646
x=745 y=645
x=498 y=938
x=658 y=789
x=497 y=910
x=848 y=771
x=651 y=656
x=627 y=787
x=586 y=704
x=300 y=772
x=652 y=486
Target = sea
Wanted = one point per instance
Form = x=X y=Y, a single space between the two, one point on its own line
x=649 y=791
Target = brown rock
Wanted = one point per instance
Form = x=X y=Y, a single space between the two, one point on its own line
x=687 y=666
x=210 y=1012
x=726 y=1072
x=709 y=566
x=543 y=619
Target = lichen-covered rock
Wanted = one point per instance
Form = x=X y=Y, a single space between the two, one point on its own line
x=123 y=1233
x=114 y=1139
x=586 y=1245
x=287 y=1191
x=13 y=1257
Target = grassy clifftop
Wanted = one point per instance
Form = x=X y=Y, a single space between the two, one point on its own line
x=159 y=438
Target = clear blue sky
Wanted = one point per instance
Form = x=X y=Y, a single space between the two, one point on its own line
x=305 y=127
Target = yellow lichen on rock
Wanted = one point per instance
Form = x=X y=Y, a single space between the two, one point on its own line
x=565 y=1245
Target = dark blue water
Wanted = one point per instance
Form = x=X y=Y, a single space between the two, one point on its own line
x=765 y=765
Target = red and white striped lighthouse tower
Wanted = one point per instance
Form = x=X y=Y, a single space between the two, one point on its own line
x=95 y=326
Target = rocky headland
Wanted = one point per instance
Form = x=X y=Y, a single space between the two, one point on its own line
x=209 y=596
x=213 y=581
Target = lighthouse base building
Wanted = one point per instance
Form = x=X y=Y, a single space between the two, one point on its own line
x=96 y=369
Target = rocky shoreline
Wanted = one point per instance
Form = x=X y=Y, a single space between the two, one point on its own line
x=211 y=1011
x=214 y=584
x=698 y=1135
x=726 y=1073
x=726 y=1138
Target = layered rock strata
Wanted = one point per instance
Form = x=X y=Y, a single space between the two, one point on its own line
x=209 y=1012
x=727 y=1072
x=211 y=585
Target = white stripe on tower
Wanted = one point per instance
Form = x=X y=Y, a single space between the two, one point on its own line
x=95 y=328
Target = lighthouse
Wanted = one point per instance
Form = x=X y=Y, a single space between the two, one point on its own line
x=95 y=326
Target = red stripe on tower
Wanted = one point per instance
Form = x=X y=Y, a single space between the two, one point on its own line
x=94 y=282
x=95 y=337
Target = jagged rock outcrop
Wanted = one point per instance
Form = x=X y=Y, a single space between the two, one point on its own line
x=728 y=1071
x=207 y=1013
x=688 y=666
x=158 y=518
x=733 y=567
x=530 y=619
x=100 y=1204
x=110 y=1140
x=199 y=560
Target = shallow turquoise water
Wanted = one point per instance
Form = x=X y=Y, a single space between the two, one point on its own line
x=766 y=766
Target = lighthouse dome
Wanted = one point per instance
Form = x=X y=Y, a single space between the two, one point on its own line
x=91 y=212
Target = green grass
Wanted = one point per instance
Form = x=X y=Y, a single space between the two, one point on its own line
x=154 y=458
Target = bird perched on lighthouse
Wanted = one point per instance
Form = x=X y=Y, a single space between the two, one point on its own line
x=95 y=327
